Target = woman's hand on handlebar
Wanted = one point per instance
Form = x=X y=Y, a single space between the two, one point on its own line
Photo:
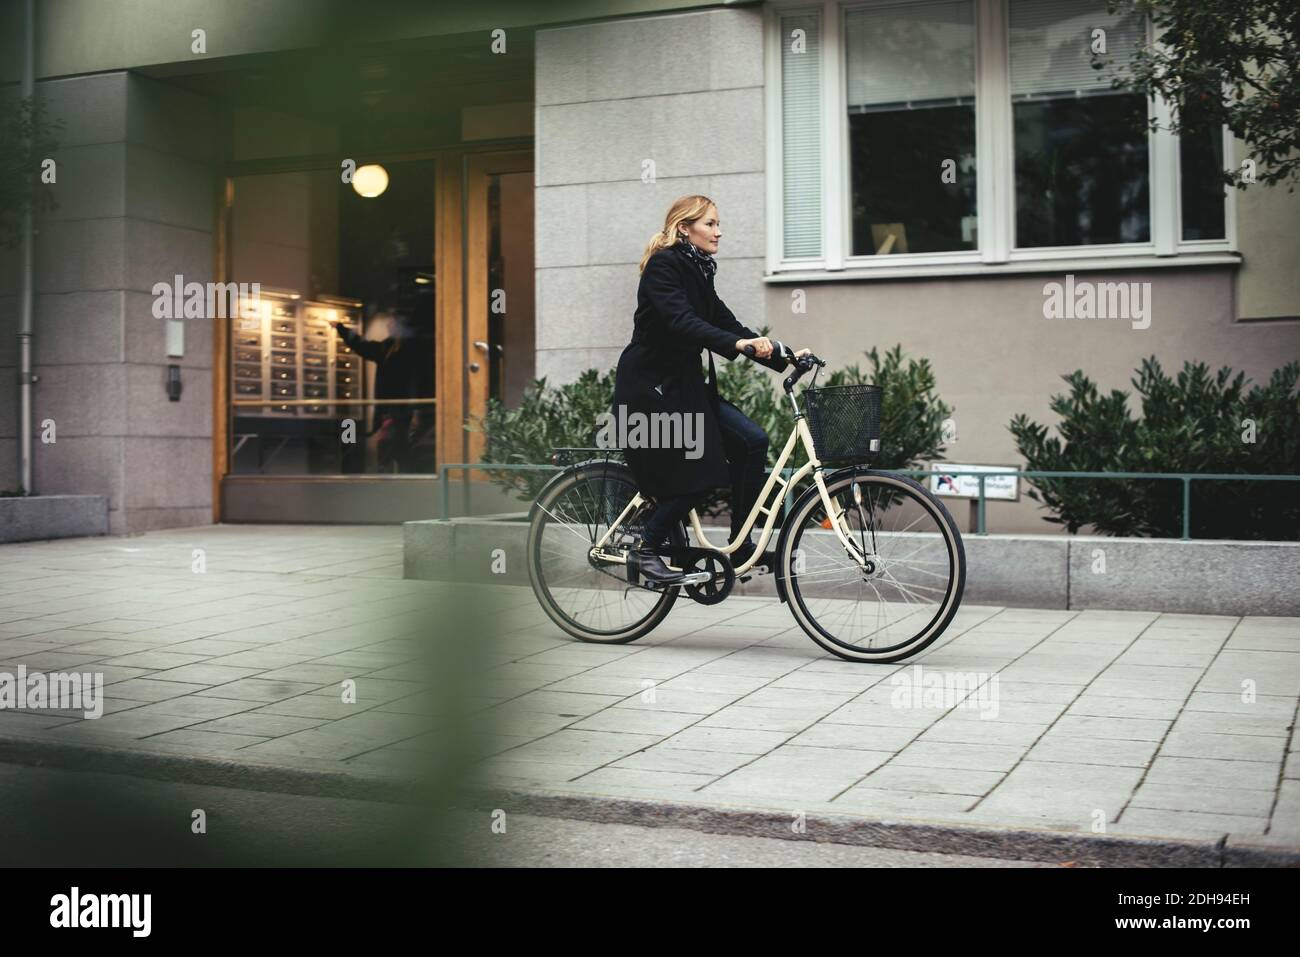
x=754 y=349
x=761 y=347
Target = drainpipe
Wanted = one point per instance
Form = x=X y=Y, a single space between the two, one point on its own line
x=25 y=378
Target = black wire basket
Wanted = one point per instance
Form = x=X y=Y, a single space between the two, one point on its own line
x=844 y=421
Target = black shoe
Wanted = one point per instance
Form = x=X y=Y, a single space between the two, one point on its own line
x=644 y=562
x=741 y=555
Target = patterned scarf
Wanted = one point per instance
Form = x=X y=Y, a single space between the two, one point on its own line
x=708 y=265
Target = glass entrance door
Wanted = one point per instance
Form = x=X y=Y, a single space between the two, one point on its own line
x=332 y=352
x=389 y=313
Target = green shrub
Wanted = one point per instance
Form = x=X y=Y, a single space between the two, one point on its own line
x=548 y=417
x=911 y=412
x=1198 y=422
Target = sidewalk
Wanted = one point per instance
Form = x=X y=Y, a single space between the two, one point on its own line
x=1127 y=724
x=1122 y=724
x=244 y=661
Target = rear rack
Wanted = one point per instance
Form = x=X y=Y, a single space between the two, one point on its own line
x=571 y=456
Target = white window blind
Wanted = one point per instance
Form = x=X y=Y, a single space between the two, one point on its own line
x=801 y=129
x=1051 y=46
x=910 y=54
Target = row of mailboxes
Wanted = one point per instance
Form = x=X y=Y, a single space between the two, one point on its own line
x=284 y=348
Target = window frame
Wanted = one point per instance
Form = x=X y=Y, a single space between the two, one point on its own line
x=995 y=186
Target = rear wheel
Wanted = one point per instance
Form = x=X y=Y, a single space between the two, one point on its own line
x=905 y=593
x=584 y=590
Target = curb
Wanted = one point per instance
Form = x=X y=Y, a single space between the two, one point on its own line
x=189 y=768
x=906 y=834
x=1015 y=570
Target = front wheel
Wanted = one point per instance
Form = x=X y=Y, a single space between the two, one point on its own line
x=905 y=589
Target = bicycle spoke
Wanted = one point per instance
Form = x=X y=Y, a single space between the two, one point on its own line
x=591 y=598
x=898 y=594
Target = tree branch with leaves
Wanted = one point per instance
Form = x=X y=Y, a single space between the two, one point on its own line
x=1233 y=63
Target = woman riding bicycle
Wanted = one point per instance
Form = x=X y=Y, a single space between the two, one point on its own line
x=868 y=562
x=678 y=314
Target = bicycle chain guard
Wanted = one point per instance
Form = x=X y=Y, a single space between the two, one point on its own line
x=694 y=560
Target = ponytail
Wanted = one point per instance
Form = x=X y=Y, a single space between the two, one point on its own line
x=657 y=242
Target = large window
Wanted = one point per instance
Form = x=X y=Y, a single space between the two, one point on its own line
x=1202 y=187
x=954 y=133
x=911 y=127
x=1081 y=156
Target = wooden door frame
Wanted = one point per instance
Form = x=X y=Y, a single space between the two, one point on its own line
x=478 y=167
x=449 y=320
x=224 y=200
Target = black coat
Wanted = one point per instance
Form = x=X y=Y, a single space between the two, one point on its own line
x=397 y=375
x=678 y=313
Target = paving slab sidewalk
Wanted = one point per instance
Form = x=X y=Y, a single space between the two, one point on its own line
x=1066 y=725
x=1128 y=726
x=223 y=649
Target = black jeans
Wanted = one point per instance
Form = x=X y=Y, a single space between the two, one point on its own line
x=745 y=443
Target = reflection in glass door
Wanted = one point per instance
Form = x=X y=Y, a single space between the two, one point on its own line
x=510 y=270
x=332 y=367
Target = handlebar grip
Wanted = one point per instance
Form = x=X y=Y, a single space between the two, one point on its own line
x=751 y=351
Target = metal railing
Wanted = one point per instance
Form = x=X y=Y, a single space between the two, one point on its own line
x=444 y=486
x=1187 y=478
x=326 y=400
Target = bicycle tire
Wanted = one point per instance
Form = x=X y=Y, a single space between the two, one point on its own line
x=547 y=507
x=791 y=536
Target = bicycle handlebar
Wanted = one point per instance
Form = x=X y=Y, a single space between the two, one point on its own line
x=803 y=362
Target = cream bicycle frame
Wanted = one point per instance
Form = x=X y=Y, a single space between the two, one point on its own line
x=762 y=506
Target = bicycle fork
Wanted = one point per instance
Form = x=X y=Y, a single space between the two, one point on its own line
x=835 y=515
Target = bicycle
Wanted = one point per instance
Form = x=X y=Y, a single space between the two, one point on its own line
x=862 y=556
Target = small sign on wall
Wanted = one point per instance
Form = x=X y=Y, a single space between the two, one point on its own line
x=1003 y=487
x=175 y=339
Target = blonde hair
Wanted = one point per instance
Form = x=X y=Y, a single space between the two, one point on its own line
x=686 y=209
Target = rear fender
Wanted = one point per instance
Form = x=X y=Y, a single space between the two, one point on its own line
x=594 y=465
